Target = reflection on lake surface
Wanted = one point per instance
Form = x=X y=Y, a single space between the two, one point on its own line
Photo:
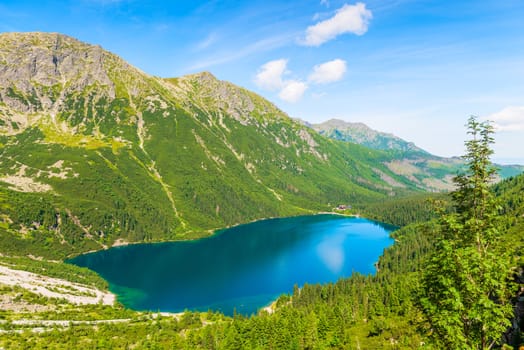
x=242 y=268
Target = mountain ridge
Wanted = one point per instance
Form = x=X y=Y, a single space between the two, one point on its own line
x=362 y=134
x=408 y=159
x=112 y=153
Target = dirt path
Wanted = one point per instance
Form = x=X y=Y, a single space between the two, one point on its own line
x=40 y=326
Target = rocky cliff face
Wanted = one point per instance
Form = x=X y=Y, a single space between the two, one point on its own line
x=49 y=75
x=38 y=70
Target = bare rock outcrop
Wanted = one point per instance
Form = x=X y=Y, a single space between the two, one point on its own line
x=37 y=70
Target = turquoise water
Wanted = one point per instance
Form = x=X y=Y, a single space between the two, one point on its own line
x=242 y=268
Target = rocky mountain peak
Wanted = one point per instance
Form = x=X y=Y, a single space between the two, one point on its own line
x=204 y=77
x=32 y=63
x=205 y=90
x=362 y=134
x=42 y=75
x=343 y=125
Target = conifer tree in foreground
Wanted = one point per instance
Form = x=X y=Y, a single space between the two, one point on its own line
x=466 y=280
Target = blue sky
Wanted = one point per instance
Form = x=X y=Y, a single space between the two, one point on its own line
x=415 y=68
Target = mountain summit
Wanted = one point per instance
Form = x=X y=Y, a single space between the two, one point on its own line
x=362 y=134
x=53 y=75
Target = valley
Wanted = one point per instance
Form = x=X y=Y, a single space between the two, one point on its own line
x=95 y=153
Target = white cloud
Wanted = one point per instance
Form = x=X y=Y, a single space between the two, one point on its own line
x=292 y=91
x=508 y=119
x=348 y=19
x=269 y=76
x=328 y=72
x=324 y=3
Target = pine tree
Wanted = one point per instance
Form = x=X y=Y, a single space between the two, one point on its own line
x=466 y=281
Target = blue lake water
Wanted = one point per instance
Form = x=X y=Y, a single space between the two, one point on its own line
x=242 y=268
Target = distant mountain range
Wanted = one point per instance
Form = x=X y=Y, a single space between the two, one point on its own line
x=96 y=152
x=363 y=135
x=408 y=160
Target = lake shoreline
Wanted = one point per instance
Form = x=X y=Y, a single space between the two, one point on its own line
x=120 y=242
x=318 y=248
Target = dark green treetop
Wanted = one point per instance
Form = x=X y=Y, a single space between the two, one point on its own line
x=466 y=281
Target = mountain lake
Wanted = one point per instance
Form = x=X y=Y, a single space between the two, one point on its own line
x=242 y=268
